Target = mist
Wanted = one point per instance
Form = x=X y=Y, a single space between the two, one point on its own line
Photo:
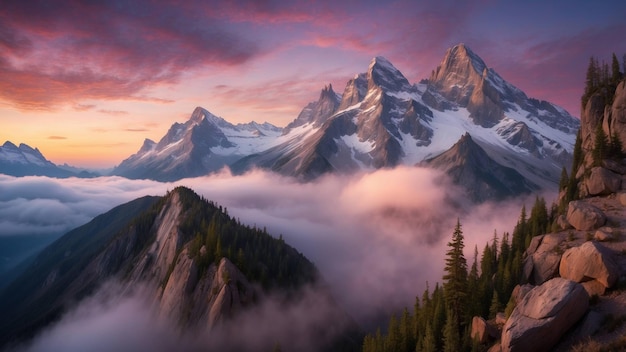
x=377 y=238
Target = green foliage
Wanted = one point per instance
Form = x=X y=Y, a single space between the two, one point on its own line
x=564 y=180
x=455 y=274
x=602 y=81
x=615 y=147
x=600 y=146
x=438 y=322
x=451 y=337
x=260 y=257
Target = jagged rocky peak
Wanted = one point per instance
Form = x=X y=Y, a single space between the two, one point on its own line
x=355 y=90
x=460 y=69
x=201 y=114
x=317 y=112
x=148 y=145
x=9 y=145
x=384 y=74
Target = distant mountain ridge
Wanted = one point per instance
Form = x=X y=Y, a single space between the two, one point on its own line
x=28 y=161
x=379 y=121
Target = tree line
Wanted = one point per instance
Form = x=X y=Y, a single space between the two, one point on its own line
x=214 y=235
x=440 y=319
x=603 y=79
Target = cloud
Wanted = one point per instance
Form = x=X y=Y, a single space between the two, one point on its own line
x=376 y=237
x=107 y=50
x=113 y=112
x=57 y=137
x=115 y=319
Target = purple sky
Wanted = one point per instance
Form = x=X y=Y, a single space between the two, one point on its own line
x=86 y=82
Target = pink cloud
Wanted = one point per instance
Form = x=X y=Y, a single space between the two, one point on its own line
x=57 y=54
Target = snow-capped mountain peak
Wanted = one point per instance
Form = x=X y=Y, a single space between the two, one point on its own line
x=382 y=73
x=382 y=120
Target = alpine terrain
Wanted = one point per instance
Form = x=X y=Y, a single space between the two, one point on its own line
x=381 y=120
x=193 y=263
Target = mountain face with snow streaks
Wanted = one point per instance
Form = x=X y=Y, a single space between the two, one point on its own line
x=27 y=161
x=204 y=144
x=380 y=120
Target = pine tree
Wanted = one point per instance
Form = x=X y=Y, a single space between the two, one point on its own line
x=600 y=146
x=616 y=75
x=473 y=287
x=615 y=147
x=591 y=81
x=428 y=343
x=564 y=180
x=455 y=278
x=451 y=336
x=495 y=305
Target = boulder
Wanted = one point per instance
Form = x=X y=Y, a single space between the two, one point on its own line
x=562 y=222
x=520 y=291
x=584 y=216
x=545 y=314
x=482 y=331
x=594 y=287
x=604 y=234
x=603 y=182
x=542 y=260
x=589 y=261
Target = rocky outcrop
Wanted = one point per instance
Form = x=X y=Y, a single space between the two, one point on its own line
x=617 y=122
x=584 y=216
x=590 y=261
x=544 y=315
x=482 y=331
x=542 y=260
x=602 y=182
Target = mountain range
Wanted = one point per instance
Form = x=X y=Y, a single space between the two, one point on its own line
x=28 y=161
x=379 y=121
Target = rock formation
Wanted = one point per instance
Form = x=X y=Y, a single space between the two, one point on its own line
x=590 y=261
x=544 y=315
x=584 y=216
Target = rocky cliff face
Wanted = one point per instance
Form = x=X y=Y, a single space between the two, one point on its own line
x=583 y=258
x=612 y=118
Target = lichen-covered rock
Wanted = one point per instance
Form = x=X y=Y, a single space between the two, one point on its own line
x=588 y=262
x=544 y=315
x=584 y=216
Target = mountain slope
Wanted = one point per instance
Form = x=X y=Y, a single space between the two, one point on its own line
x=38 y=295
x=201 y=266
x=469 y=166
x=27 y=161
x=203 y=144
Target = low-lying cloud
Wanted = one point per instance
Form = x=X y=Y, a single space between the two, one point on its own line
x=114 y=319
x=377 y=237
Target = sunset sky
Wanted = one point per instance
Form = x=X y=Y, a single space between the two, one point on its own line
x=86 y=82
